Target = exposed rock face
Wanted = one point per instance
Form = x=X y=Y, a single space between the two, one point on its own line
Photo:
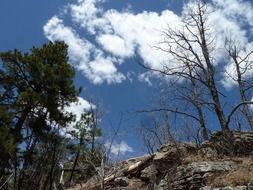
x=223 y=163
x=231 y=144
x=194 y=175
x=247 y=187
x=171 y=155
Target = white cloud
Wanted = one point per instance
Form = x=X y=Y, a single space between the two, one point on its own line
x=124 y=34
x=104 y=69
x=230 y=76
x=141 y=32
x=119 y=148
x=77 y=109
x=87 y=14
x=79 y=49
x=115 y=45
x=234 y=20
x=81 y=53
x=236 y=10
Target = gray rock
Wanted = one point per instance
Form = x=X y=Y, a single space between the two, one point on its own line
x=163 y=185
x=193 y=175
x=170 y=155
x=233 y=143
x=124 y=188
x=206 y=188
x=149 y=173
x=250 y=186
x=121 y=181
x=235 y=188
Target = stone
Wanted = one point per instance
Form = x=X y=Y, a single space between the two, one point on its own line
x=121 y=181
x=192 y=176
x=149 y=173
x=168 y=170
x=227 y=188
x=230 y=144
x=206 y=188
x=124 y=188
x=250 y=186
x=170 y=155
x=235 y=188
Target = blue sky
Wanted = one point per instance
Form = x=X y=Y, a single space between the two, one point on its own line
x=106 y=37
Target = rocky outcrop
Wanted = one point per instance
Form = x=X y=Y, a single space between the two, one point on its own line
x=223 y=163
x=247 y=187
x=194 y=175
x=230 y=144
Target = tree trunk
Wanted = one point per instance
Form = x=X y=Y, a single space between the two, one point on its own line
x=52 y=166
x=246 y=110
x=210 y=74
x=76 y=159
x=21 y=120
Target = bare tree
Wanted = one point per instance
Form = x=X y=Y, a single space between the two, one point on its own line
x=156 y=132
x=103 y=155
x=193 y=60
x=242 y=62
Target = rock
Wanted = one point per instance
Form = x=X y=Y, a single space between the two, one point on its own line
x=193 y=175
x=138 y=184
x=206 y=188
x=121 y=181
x=231 y=143
x=149 y=173
x=250 y=186
x=183 y=166
x=235 y=188
x=171 y=155
x=124 y=188
x=204 y=167
x=241 y=188
x=224 y=188
x=162 y=185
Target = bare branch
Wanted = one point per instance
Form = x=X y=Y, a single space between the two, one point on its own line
x=235 y=109
x=169 y=110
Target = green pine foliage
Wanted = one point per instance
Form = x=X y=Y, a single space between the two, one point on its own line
x=35 y=87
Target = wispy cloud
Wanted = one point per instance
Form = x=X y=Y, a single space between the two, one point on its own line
x=117 y=149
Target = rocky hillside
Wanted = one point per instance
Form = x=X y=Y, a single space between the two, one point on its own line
x=223 y=163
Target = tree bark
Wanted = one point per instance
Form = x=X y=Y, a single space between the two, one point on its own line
x=76 y=159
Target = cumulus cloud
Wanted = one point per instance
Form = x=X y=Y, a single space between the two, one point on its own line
x=122 y=34
x=234 y=21
x=84 y=55
x=115 y=45
x=79 y=49
x=245 y=61
x=77 y=109
x=118 y=148
x=236 y=10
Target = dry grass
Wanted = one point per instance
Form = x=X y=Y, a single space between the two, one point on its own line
x=202 y=158
x=241 y=176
